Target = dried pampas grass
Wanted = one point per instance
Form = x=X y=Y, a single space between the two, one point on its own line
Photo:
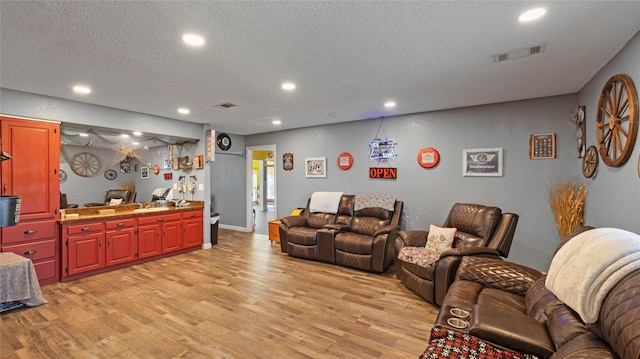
x=567 y=202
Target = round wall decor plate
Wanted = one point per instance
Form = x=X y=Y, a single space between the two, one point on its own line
x=345 y=161
x=428 y=157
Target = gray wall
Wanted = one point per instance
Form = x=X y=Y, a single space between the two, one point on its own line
x=613 y=197
x=429 y=193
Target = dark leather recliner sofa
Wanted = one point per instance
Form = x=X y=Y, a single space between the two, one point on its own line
x=510 y=305
x=480 y=231
x=360 y=239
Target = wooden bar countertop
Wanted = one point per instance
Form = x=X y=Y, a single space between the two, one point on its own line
x=75 y=215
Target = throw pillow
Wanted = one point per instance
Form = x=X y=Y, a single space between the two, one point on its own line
x=440 y=239
x=115 y=201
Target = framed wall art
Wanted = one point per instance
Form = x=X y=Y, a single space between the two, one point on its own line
x=542 y=146
x=315 y=167
x=144 y=172
x=482 y=162
x=287 y=161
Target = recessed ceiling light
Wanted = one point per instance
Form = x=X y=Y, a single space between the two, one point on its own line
x=83 y=90
x=389 y=104
x=84 y=135
x=288 y=86
x=137 y=133
x=532 y=14
x=124 y=135
x=184 y=111
x=193 y=40
x=135 y=143
x=276 y=122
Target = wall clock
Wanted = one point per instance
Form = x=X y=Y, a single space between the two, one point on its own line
x=85 y=164
x=617 y=120
x=224 y=141
x=63 y=176
x=590 y=162
x=110 y=175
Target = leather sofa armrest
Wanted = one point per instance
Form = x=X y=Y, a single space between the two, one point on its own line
x=294 y=221
x=498 y=274
x=471 y=251
x=583 y=346
x=386 y=230
x=512 y=330
x=414 y=238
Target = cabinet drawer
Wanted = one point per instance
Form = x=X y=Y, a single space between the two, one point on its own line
x=45 y=269
x=29 y=231
x=35 y=250
x=84 y=228
x=192 y=215
x=123 y=223
x=159 y=218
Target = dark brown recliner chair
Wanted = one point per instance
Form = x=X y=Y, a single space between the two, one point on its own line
x=298 y=234
x=126 y=195
x=510 y=305
x=368 y=242
x=481 y=231
x=64 y=204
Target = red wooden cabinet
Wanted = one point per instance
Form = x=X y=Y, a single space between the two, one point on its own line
x=121 y=241
x=149 y=240
x=192 y=229
x=171 y=233
x=33 y=174
x=84 y=248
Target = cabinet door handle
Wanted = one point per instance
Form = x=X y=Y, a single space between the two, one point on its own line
x=31 y=231
x=120 y=224
x=100 y=243
x=109 y=242
x=160 y=218
x=85 y=229
x=30 y=253
x=193 y=215
x=4 y=188
x=158 y=233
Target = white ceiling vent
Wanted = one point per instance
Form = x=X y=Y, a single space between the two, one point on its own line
x=516 y=54
x=225 y=105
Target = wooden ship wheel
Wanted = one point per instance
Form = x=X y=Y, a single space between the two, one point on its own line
x=617 y=120
x=85 y=164
x=590 y=162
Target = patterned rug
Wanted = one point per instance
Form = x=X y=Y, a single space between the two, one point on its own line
x=445 y=344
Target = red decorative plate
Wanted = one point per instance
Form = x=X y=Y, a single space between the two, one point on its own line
x=428 y=157
x=345 y=161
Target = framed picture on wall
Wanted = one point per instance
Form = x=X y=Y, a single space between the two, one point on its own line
x=482 y=162
x=315 y=167
x=144 y=172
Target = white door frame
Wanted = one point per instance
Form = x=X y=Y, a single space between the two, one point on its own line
x=249 y=182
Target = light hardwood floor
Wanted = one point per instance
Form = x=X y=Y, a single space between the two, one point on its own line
x=242 y=298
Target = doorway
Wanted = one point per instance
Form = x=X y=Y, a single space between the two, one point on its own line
x=261 y=188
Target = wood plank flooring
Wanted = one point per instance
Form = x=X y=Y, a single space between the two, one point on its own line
x=242 y=298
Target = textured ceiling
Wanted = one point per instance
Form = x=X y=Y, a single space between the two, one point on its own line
x=347 y=58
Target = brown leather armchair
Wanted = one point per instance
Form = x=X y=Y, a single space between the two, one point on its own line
x=126 y=195
x=368 y=242
x=481 y=231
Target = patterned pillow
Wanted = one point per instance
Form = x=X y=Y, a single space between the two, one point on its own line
x=440 y=239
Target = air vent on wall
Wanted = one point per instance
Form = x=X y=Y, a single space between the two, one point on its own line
x=225 y=105
x=516 y=54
